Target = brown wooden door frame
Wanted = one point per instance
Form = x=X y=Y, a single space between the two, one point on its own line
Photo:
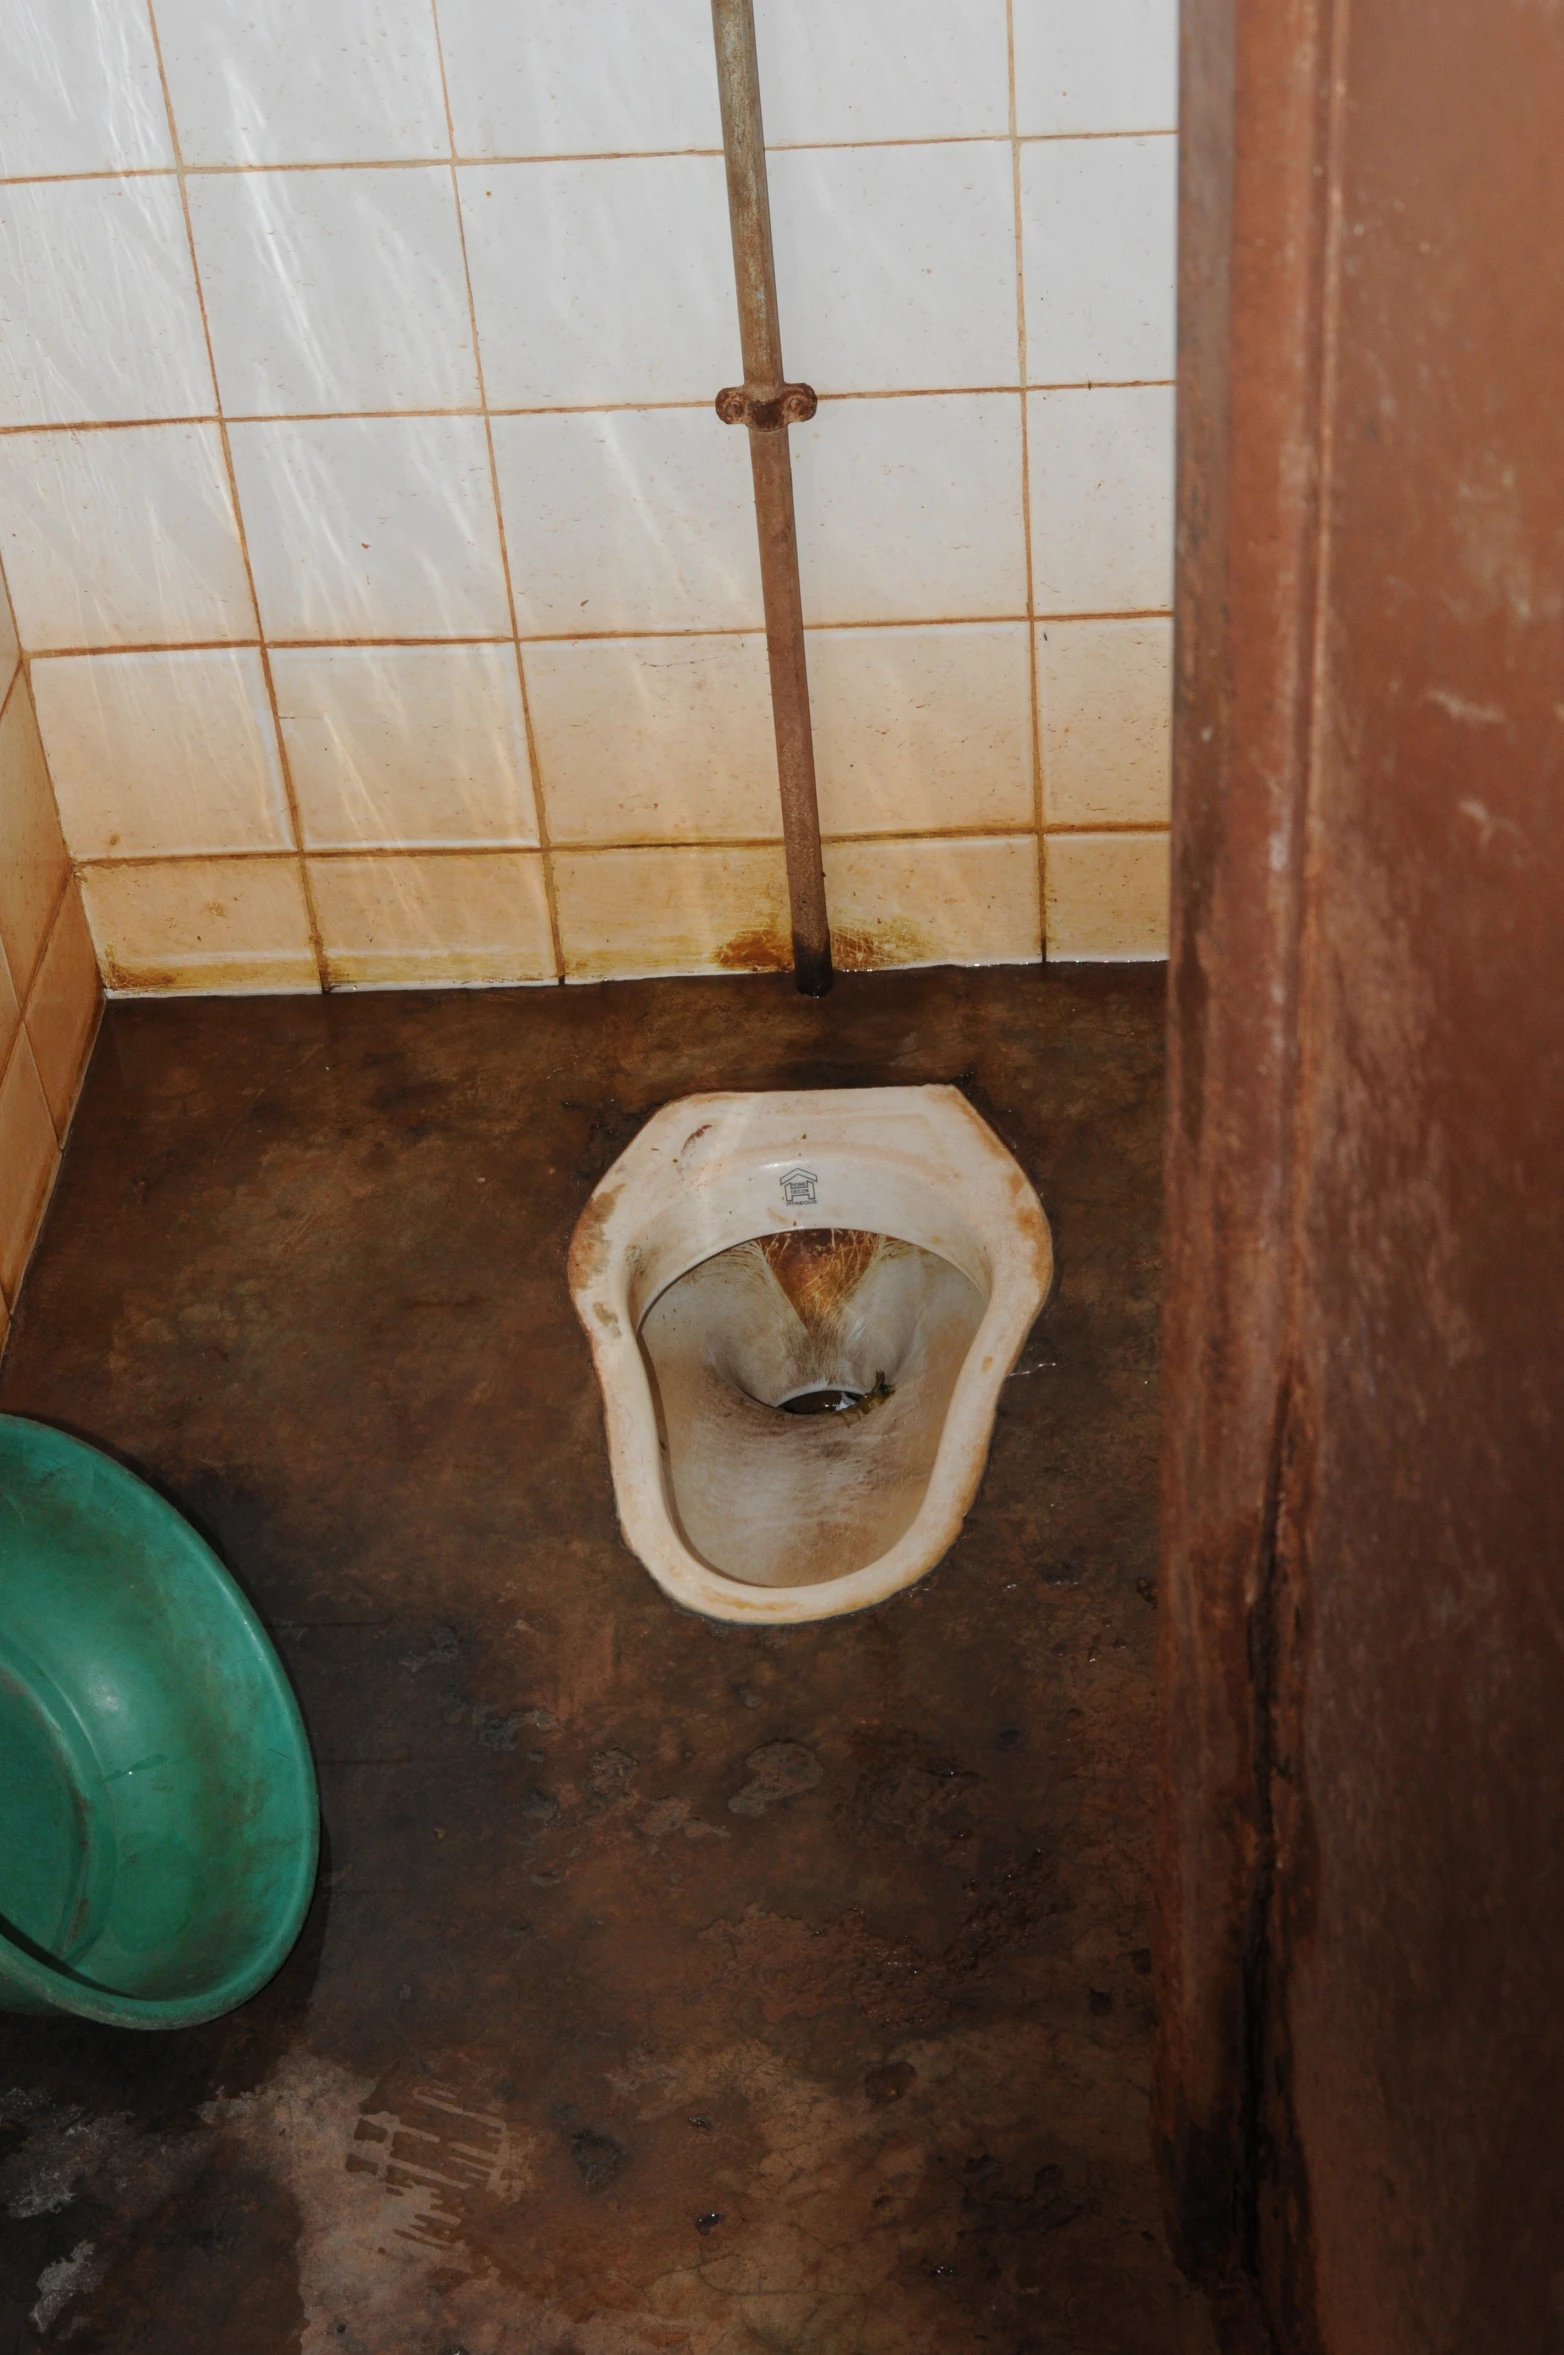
x=1254 y=225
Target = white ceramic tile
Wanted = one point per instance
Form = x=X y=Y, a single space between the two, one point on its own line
x=372 y=527
x=654 y=739
x=62 y=1009
x=1102 y=499
x=882 y=69
x=303 y=81
x=29 y=1157
x=121 y=538
x=1105 y=694
x=100 y=303
x=640 y=519
x=922 y=729
x=406 y=746
x=465 y=921
x=1112 y=66
x=1098 y=227
x=580 y=77
x=334 y=290
x=896 y=266
x=910 y=509
x=1106 y=896
x=227 y=927
x=158 y=754
x=80 y=91
x=933 y=903
x=605 y=281
x=624 y=912
x=33 y=858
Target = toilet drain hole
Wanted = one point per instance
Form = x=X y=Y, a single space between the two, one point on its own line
x=820 y=1402
x=834 y=1398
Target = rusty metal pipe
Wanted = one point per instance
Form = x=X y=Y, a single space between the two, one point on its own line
x=768 y=405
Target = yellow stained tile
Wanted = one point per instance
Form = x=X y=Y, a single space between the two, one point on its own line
x=1106 y=895
x=62 y=1009
x=945 y=901
x=921 y=731
x=466 y=920
x=224 y=926
x=29 y=1156
x=163 y=754
x=705 y=910
x=1106 y=696
x=655 y=739
x=407 y=747
x=33 y=858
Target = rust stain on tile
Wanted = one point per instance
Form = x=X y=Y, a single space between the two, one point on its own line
x=866 y=948
x=762 y=949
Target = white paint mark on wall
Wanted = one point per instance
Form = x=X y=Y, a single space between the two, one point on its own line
x=1473 y=715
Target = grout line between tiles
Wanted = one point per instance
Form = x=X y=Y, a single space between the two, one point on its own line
x=960 y=138
x=6 y=1061
x=917 y=392
x=479 y=163
x=1138 y=826
x=1026 y=472
x=24 y=989
x=627 y=637
x=61 y=1135
x=285 y=766
x=147 y=646
x=328 y=853
x=11 y=1296
x=534 y=766
x=65 y=890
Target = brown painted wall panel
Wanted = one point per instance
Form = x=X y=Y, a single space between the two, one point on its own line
x=1425 y=1989
x=1370 y=1604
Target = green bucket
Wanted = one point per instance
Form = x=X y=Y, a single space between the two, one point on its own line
x=159 y=1826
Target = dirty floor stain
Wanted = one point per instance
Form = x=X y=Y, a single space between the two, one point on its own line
x=668 y=1986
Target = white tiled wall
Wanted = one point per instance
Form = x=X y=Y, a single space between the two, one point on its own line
x=387 y=581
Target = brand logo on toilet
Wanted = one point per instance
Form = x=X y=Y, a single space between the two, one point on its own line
x=800 y=1187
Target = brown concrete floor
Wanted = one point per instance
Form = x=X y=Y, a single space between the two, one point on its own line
x=574 y=2059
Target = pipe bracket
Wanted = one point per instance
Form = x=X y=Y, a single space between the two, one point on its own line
x=767 y=408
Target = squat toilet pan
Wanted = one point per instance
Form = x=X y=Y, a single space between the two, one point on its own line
x=801 y=1307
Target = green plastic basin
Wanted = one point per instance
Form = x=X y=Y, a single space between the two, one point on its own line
x=159 y=1827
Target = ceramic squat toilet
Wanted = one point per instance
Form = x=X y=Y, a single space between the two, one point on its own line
x=801 y=1308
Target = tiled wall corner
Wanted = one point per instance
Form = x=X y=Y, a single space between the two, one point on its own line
x=50 y=998
x=388 y=585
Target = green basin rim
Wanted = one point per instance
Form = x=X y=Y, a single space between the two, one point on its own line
x=55 y=1987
